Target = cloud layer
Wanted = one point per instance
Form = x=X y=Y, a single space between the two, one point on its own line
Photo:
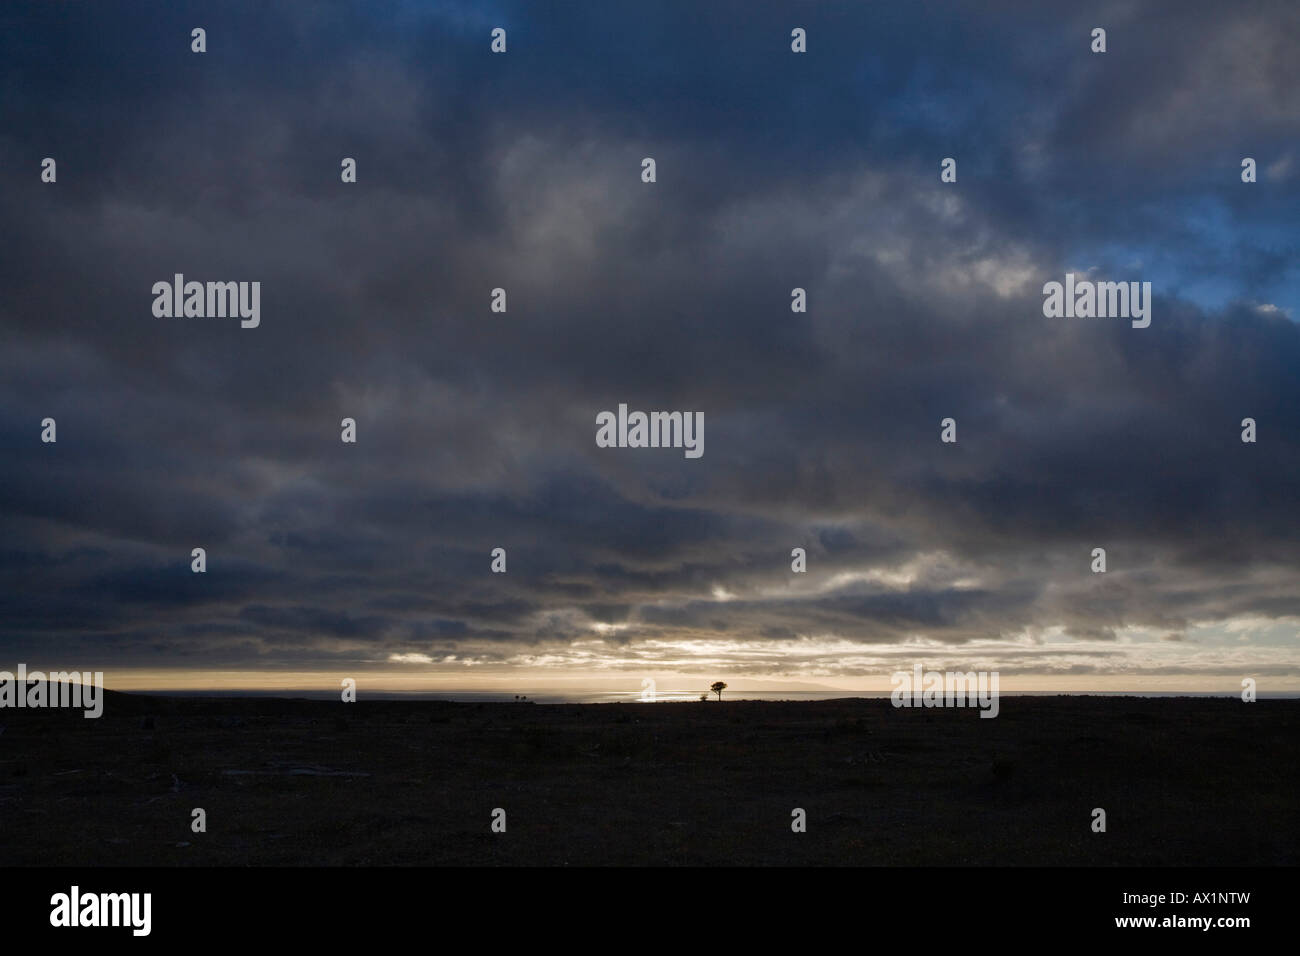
x=476 y=429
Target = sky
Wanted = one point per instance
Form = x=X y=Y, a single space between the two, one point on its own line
x=477 y=429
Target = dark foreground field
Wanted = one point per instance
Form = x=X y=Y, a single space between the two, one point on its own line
x=1182 y=781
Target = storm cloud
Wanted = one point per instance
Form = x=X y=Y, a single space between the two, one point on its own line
x=476 y=428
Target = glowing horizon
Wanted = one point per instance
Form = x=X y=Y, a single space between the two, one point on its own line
x=666 y=683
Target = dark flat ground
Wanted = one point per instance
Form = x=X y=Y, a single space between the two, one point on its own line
x=1184 y=781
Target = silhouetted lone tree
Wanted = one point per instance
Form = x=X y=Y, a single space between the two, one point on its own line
x=718 y=687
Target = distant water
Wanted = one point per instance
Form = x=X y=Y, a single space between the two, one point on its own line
x=634 y=697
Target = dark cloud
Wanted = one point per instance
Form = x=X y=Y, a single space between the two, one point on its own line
x=476 y=429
